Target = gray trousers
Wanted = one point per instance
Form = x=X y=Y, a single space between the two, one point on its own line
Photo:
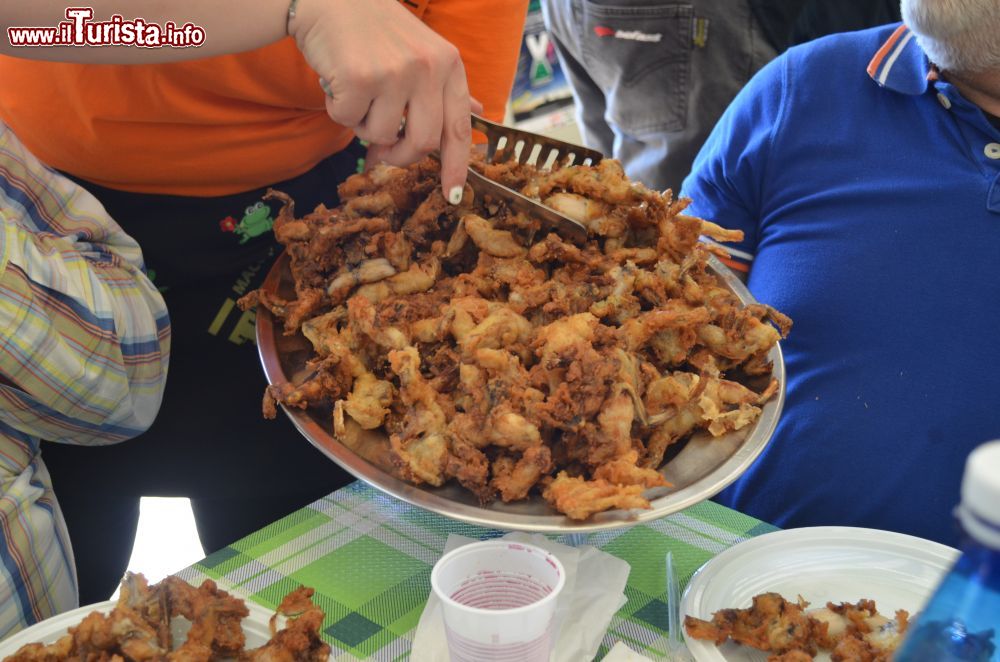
x=651 y=78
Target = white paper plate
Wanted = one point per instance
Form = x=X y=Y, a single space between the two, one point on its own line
x=255 y=626
x=835 y=564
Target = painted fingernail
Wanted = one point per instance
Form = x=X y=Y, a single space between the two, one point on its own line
x=455 y=195
x=326 y=87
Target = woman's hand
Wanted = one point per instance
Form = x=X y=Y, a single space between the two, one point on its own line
x=381 y=64
x=379 y=61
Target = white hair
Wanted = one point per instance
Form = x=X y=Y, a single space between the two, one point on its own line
x=958 y=35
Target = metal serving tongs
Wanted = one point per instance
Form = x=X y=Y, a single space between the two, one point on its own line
x=505 y=144
x=517 y=143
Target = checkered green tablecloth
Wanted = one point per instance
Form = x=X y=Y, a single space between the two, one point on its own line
x=369 y=557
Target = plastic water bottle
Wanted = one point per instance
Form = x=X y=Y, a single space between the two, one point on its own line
x=962 y=619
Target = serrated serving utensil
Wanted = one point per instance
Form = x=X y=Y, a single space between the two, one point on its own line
x=505 y=144
x=564 y=226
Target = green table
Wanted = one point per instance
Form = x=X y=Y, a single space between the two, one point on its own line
x=369 y=557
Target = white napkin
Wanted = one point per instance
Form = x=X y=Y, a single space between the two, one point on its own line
x=622 y=653
x=583 y=610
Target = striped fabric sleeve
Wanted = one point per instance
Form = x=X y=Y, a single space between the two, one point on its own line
x=85 y=335
x=84 y=341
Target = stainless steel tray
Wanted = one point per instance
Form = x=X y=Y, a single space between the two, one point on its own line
x=703 y=466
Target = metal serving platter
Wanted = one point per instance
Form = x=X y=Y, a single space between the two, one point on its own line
x=698 y=469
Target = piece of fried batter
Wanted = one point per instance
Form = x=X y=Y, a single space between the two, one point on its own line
x=771 y=624
x=138 y=628
x=851 y=632
x=299 y=640
x=494 y=353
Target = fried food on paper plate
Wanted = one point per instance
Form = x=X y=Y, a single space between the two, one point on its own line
x=139 y=628
x=852 y=632
x=493 y=353
x=298 y=640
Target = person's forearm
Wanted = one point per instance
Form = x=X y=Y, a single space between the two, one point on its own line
x=229 y=26
x=414 y=72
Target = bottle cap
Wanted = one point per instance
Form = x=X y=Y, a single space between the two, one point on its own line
x=980 y=509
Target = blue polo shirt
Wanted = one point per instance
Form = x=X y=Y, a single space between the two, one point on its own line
x=869 y=193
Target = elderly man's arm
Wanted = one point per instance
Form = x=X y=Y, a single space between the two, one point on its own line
x=727 y=183
x=84 y=334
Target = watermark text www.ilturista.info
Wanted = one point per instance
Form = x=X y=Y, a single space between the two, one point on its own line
x=81 y=30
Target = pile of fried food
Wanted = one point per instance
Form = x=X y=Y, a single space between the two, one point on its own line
x=495 y=353
x=851 y=632
x=139 y=628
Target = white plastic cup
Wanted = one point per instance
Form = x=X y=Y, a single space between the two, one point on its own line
x=498 y=598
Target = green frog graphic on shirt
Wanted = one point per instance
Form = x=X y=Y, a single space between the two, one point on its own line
x=256 y=221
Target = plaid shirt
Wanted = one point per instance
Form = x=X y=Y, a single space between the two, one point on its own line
x=84 y=340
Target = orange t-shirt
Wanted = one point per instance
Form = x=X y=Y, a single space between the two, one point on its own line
x=226 y=124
